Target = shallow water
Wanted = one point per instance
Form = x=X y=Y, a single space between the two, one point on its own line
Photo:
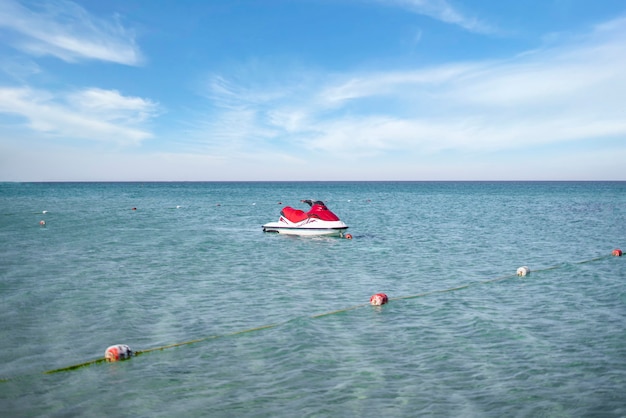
x=461 y=336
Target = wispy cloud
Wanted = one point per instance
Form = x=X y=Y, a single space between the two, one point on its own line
x=92 y=114
x=67 y=31
x=443 y=11
x=568 y=92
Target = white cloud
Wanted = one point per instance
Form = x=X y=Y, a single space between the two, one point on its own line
x=443 y=11
x=92 y=114
x=112 y=106
x=568 y=92
x=67 y=31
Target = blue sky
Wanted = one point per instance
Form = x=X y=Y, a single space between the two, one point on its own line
x=141 y=90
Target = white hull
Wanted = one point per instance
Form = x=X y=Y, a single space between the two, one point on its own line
x=308 y=227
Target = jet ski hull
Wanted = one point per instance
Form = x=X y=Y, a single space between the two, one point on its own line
x=310 y=227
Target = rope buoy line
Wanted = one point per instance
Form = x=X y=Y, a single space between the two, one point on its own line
x=161 y=348
x=377 y=299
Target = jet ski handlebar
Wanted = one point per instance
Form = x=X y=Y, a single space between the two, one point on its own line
x=313 y=202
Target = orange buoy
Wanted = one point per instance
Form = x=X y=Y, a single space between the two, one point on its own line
x=379 y=299
x=42 y=223
x=134 y=208
x=118 y=352
x=523 y=271
x=617 y=252
x=348 y=236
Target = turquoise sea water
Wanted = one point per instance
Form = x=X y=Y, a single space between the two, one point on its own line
x=294 y=335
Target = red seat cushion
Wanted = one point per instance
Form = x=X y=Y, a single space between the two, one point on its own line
x=294 y=215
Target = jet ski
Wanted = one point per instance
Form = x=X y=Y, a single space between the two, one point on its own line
x=318 y=221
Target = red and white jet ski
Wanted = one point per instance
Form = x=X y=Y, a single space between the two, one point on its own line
x=318 y=221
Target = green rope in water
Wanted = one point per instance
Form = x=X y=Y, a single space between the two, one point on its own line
x=76 y=366
x=263 y=327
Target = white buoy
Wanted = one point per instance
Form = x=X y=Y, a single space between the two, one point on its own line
x=44 y=212
x=523 y=271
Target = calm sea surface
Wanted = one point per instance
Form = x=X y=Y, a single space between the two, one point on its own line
x=283 y=324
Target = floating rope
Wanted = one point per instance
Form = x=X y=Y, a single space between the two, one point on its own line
x=374 y=300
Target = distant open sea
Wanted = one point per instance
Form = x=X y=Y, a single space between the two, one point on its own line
x=277 y=326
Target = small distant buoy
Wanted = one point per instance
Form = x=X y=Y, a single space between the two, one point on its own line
x=42 y=223
x=118 y=352
x=379 y=299
x=523 y=271
x=134 y=209
x=617 y=252
x=348 y=236
x=218 y=205
x=44 y=212
x=279 y=203
x=254 y=204
x=177 y=206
